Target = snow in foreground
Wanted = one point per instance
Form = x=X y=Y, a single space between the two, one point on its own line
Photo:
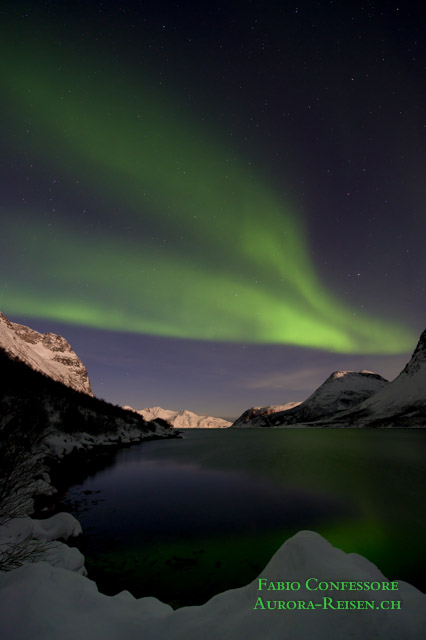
x=41 y=602
x=40 y=538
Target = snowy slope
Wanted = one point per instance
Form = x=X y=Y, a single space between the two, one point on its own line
x=407 y=390
x=183 y=419
x=40 y=602
x=342 y=390
x=49 y=353
x=401 y=403
x=254 y=416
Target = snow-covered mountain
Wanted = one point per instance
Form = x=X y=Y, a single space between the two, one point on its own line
x=46 y=352
x=183 y=419
x=401 y=403
x=254 y=417
x=342 y=390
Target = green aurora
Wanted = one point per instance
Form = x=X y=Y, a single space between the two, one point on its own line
x=198 y=247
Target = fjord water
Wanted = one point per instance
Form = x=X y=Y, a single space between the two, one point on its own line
x=184 y=519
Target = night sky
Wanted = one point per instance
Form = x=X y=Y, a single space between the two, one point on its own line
x=217 y=205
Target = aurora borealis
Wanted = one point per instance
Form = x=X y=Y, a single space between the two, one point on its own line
x=147 y=193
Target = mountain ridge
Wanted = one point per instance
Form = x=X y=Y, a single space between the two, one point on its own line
x=46 y=352
x=395 y=404
x=402 y=403
x=340 y=391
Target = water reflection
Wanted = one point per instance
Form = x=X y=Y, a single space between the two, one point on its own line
x=184 y=519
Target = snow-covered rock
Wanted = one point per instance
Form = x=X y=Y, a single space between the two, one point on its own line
x=183 y=419
x=46 y=352
x=342 y=390
x=253 y=417
x=39 y=602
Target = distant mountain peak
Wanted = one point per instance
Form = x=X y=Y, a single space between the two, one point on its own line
x=354 y=374
x=183 y=418
x=257 y=416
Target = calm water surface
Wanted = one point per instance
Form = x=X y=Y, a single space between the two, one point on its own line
x=187 y=518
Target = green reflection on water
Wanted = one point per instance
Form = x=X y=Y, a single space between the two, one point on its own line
x=381 y=474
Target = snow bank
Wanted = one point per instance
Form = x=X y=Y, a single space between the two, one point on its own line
x=40 y=536
x=39 y=602
x=58 y=554
x=61 y=525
